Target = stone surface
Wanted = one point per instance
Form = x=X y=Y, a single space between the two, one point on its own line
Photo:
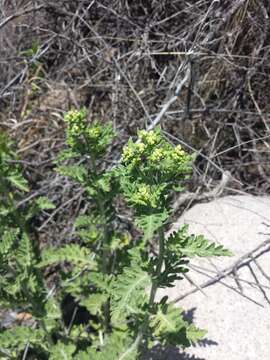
x=236 y=313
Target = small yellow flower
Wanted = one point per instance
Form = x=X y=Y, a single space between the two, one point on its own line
x=178 y=153
x=94 y=132
x=157 y=155
x=127 y=153
x=149 y=138
x=141 y=147
x=144 y=193
x=178 y=149
x=142 y=134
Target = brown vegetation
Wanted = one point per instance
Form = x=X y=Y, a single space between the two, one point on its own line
x=199 y=68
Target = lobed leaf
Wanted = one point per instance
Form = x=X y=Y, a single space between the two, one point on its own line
x=72 y=253
x=151 y=223
x=128 y=292
x=170 y=328
x=194 y=245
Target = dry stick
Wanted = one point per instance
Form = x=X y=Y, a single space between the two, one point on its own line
x=18 y=14
x=236 y=279
x=228 y=286
x=258 y=284
x=194 y=284
x=209 y=110
x=242 y=261
x=26 y=351
x=121 y=72
x=256 y=104
x=80 y=193
x=22 y=73
x=171 y=100
x=261 y=270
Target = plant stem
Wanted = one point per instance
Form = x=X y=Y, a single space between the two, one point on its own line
x=143 y=331
x=105 y=270
x=158 y=268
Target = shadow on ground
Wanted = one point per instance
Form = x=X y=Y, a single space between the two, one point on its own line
x=158 y=353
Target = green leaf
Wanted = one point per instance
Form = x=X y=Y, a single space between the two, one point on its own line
x=194 y=245
x=170 y=328
x=117 y=346
x=129 y=292
x=53 y=315
x=94 y=302
x=25 y=256
x=75 y=172
x=151 y=223
x=87 y=227
x=72 y=253
x=167 y=320
x=19 y=182
x=17 y=338
x=66 y=154
x=44 y=203
x=8 y=239
x=194 y=334
x=62 y=351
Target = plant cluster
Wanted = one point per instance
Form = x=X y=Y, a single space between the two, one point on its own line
x=111 y=276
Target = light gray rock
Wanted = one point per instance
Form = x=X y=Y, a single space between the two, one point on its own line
x=235 y=313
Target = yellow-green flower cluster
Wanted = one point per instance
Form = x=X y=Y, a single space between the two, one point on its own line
x=76 y=125
x=149 y=137
x=152 y=167
x=93 y=133
x=76 y=118
x=157 y=155
x=134 y=152
x=178 y=154
x=154 y=152
x=120 y=241
x=143 y=193
x=145 y=196
x=87 y=138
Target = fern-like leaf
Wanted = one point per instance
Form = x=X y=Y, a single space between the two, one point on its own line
x=18 y=181
x=13 y=341
x=94 y=302
x=43 y=203
x=151 y=223
x=170 y=328
x=75 y=172
x=25 y=256
x=194 y=334
x=129 y=292
x=9 y=237
x=53 y=315
x=87 y=228
x=72 y=253
x=192 y=245
x=62 y=351
x=117 y=346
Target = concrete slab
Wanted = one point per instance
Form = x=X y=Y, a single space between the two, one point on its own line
x=236 y=309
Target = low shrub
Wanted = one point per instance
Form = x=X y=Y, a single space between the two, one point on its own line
x=110 y=274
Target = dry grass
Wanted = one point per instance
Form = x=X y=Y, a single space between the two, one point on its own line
x=199 y=68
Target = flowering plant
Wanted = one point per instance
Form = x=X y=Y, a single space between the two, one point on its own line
x=110 y=273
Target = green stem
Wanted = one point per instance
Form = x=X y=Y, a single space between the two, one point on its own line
x=143 y=334
x=100 y=204
x=158 y=268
